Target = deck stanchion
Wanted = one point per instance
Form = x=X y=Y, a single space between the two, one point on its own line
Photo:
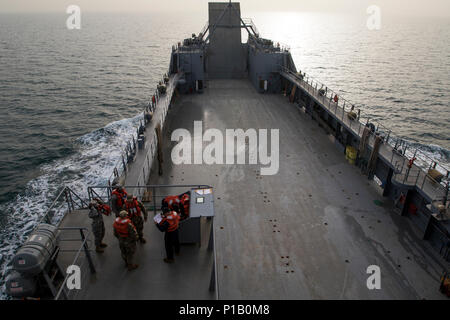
x=71 y=200
x=403 y=164
x=124 y=165
x=68 y=205
x=417 y=179
x=86 y=251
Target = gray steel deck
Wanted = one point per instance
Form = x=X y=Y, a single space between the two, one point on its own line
x=187 y=278
x=311 y=230
x=308 y=232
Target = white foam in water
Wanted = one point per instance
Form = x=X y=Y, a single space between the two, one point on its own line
x=426 y=154
x=99 y=152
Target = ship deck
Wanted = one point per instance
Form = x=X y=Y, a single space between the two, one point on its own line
x=308 y=232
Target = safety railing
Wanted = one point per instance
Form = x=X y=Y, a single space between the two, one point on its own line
x=153 y=143
x=162 y=102
x=57 y=209
x=147 y=193
x=204 y=30
x=81 y=259
x=154 y=194
x=394 y=149
x=268 y=45
x=249 y=24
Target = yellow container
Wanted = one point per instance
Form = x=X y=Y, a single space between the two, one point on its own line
x=350 y=153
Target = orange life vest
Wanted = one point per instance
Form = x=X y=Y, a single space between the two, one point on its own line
x=121 y=226
x=121 y=196
x=185 y=203
x=104 y=209
x=171 y=201
x=173 y=219
x=133 y=208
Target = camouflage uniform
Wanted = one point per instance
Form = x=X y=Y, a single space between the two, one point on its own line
x=127 y=245
x=138 y=221
x=98 y=227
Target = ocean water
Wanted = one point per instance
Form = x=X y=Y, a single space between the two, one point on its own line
x=71 y=99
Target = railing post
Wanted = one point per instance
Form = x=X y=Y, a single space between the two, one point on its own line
x=71 y=200
x=417 y=179
x=405 y=176
x=403 y=164
x=86 y=251
x=67 y=200
x=124 y=165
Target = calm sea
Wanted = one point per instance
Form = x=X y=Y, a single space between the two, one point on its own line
x=70 y=99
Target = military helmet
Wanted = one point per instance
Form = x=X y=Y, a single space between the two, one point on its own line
x=123 y=214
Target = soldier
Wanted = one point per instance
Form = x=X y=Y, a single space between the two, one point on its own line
x=98 y=226
x=118 y=198
x=137 y=214
x=127 y=235
x=169 y=225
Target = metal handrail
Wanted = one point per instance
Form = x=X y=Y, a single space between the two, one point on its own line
x=83 y=247
x=204 y=29
x=152 y=187
x=344 y=102
x=67 y=192
x=121 y=166
x=313 y=87
x=249 y=23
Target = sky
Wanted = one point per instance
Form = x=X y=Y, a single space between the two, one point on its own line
x=390 y=7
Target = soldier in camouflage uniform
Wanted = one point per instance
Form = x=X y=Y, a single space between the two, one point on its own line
x=98 y=226
x=137 y=214
x=127 y=235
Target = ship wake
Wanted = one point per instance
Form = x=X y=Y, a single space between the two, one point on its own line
x=98 y=152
